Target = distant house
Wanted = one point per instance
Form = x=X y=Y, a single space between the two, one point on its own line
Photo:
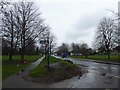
x=75 y=54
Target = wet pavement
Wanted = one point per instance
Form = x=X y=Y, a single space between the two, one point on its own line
x=97 y=75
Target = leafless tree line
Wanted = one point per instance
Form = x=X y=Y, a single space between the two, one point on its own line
x=22 y=25
x=75 y=49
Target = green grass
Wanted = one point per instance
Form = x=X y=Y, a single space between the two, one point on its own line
x=100 y=57
x=18 y=57
x=10 y=67
x=42 y=72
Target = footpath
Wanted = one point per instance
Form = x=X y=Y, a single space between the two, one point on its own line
x=20 y=80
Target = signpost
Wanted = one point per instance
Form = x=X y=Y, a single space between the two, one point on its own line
x=46 y=42
x=48 y=52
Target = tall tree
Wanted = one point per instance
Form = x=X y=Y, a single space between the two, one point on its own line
x=75 y=49
x=29 y=23
x=21 y=24
x=84 y=49
x=64 y=48
x=117 y=21
x=105 y=35
x=8 y=29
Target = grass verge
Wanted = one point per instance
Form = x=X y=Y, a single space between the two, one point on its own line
x=114 y=58
x=65 y=71
x=10 y=67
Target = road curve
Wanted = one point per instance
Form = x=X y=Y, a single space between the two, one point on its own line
x=99 y=75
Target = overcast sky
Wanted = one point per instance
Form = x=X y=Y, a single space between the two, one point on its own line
x=75 y=20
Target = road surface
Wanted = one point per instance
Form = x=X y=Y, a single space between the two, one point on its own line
x=99 y=75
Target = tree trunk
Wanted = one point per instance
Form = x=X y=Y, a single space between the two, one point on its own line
x=11 y=51
x=22 y=54
x=108 y=55
x=10 y=57
x=50 y=50
x=23 y=42
x=11 y=42
x=23 y=50
x=22 y=57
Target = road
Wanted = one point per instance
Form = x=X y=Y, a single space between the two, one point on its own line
x=97 y=75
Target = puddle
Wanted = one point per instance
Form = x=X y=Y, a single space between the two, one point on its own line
x=107 y=82
x=109 y=75
x=82 y=65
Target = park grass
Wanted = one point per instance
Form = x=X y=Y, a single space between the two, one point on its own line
x=41 y=73
x=18 y=57
x=99 y=57
x=10 y=67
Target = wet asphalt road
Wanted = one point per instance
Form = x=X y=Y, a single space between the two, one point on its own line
x=98 y=75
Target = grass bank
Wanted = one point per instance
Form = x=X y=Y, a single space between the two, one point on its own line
x=114 y=58
x=10 y=67
x=65 y=71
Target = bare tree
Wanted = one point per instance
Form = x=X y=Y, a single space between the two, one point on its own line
x=29 y=23
x=75 y=49
x=84 y=49
x=9 y=31
x=64 y=48
x=22 y=25
x=3 y=4
x=116 y=19
x=105 y=35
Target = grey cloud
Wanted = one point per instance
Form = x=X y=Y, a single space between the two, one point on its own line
x=85 y=26
x=88 y=21
x=74 y=35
